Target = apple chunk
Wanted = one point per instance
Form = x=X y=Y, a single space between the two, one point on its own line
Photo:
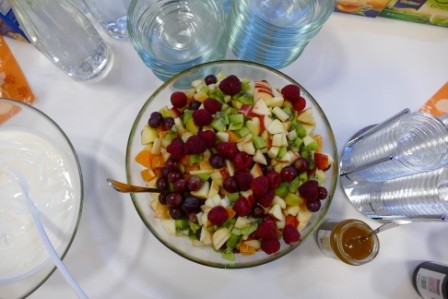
x=220 y=237
x=261 y=108
x=306 y=117
x=148 y=135
x=275 y=127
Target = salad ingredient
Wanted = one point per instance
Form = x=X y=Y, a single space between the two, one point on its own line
x=290 y=234
x=178 y=99
x=230 y=85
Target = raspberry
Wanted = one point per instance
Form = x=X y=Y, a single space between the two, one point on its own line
x=251 y=200
x=243 y=179
x=227 y=149
x=230 y=85
x=212 y=105
x=242 y=160
x=242 y=206
x=176 y=148
x=290 y=234
x=209 y=137
x=195 y=145
x=218 y=215
x=270 y=246
x=259 y=185
x=178 y=99
x=266 y=199
x=202 y=117
x=299 y=104
x=309 y=190
x=291 y=92
x=266 y=229
x=274 y=179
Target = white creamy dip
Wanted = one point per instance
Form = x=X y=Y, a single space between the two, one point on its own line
x=54 y=187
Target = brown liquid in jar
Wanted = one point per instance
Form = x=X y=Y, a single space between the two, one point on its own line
x=357 y=242
x=351 y=241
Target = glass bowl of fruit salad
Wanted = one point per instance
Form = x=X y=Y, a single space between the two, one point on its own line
x=242 y=158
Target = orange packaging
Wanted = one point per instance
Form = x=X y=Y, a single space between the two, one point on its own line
x=437 y=105
x=368 y=8
x=13 y=84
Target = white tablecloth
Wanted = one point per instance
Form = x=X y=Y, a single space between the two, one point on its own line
x=360 y=70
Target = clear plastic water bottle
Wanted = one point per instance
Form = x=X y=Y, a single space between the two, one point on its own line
x=275 y=32
x=111 y=15
x=65 y=36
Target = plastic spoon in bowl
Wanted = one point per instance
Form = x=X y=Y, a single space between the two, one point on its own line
x=36 y=218
x=127 y=188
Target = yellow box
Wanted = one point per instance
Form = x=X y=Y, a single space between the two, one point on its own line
x=434 y=12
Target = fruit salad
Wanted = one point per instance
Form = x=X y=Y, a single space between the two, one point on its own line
x=237 y=164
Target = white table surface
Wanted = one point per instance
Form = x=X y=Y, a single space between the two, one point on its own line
x=360 y=70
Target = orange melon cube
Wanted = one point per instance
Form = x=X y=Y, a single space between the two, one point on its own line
x=144 y=157
x=147 y=174
x=318 y=139
x=231 y=212
x=157 y=161
x=233 y=137
x=246 y=249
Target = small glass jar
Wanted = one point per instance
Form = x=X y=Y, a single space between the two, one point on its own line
x=351 y=241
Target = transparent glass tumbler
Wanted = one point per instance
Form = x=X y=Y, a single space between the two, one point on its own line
x=171 y=36
x=421 y=194
x=111 y=15
x=403 y=145
x=65 y=36
x=275 y=32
